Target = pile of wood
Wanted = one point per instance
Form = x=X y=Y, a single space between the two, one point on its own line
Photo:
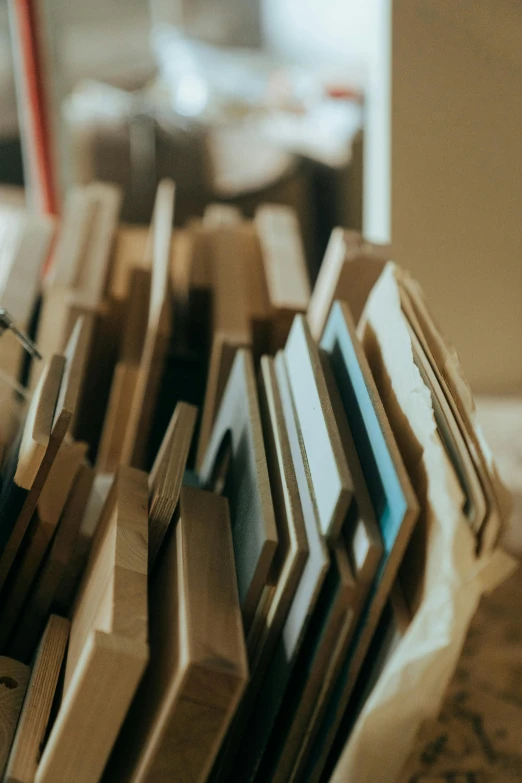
x=205 y=503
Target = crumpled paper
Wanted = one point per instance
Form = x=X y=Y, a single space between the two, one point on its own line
x=413 y=682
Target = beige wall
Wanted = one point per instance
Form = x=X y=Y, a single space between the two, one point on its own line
x=456 y=169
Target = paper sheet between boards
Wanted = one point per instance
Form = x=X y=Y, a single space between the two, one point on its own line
x=414 y=680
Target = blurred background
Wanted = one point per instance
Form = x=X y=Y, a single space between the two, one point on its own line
x=398 y=118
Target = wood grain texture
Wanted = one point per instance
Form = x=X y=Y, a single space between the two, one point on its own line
x=20 y=484
x=230 y=325
x=167 y=473
x=264 y=714
x=84 y=277
x=14 y=677
x=394 y=502
x=76 y=564
x=198 y=666
x=55 y=399
x=126 y=372
x=108 y=648
x=44 y=591
x=46 y=516
x=130 y=247
x=34 y=719
x=254 y=530
x=350 y=267
x=76 y=222
x=332 y=482
x=158 y=331
x=285 y=267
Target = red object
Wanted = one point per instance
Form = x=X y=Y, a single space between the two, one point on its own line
x=38 y=130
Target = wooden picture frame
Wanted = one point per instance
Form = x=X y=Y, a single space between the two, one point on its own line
x=254 y=530
x=393 y=499
x=198 y=666
x=329 y=471
x=265 y=711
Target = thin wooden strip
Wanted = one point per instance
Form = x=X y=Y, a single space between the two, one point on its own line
x=76 y=223
x=129 y=253
x=66 y=373
x=45 y=519
x=198 y=664
x=108 y=648
x=167 y=475
x=77 y=562
x=254 y=529
x=40 y=601
x=20 y=489
x=14 y=677
x=350 y=268
x=94 y=272
x=36 y=712
x=230 y=319
x=333 y=487
x=157 y=338
x=126 y=373
x=283 y=256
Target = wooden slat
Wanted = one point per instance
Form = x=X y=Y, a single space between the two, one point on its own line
x=89 y=522
x=126 y=372
x=230 y=321
x=44 y=591
x=108 y=648
x=285 y=267
x=158 y=332
x=25 y=461
x=34 y=719
x=166 y=475
x=198 y=658
x=253 y=523
x=46 y=516
x=350 y=267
